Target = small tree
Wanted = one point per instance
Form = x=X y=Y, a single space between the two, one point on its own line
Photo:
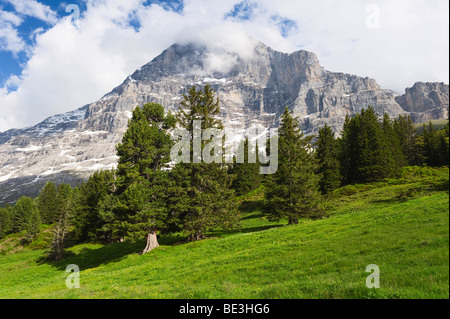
x=47 y=203
x=27 y=218
x=65 y=205
x=246 y=176
x=327 y=155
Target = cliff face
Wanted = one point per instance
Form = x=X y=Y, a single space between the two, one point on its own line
x=425 y=101
x=253 y=91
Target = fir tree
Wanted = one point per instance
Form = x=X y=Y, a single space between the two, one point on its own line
x=293 y=191
x=246 y=176
x=6 y=220
x=47 y=203
x=394 y=158
x=404 y=129
x=65 y=197
x=88 y=220
x=208 y=201
x=327 y=154
x=27 y=218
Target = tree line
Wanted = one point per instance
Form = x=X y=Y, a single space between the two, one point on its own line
x=146 y=195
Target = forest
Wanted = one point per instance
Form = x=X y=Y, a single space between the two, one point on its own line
x=146 y=195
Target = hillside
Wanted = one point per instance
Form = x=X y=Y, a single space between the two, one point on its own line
x=400 y=225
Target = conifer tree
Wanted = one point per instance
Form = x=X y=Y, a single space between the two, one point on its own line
x=88 y=220
x=394 y=158
x=208 y=200
x=327 y=154
x=293 y=191
x=27 y=218
x=47 y=203
x=246 y=176
x=404 y=129
x=140 y=208
x=65 y=198
x=6 y=220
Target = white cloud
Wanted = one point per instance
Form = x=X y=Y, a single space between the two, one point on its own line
x=35 y=9
x=72 y=65
x=9 y=38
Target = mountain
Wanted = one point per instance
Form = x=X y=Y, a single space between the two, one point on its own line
x=253 y=91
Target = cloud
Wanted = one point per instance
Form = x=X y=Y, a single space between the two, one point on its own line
x=34 y=9
x=75 y=63
x=9 y=38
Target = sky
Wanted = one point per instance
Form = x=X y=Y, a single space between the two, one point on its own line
x=56 y=56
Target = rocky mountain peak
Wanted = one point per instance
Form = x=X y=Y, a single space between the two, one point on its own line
x=254 y=86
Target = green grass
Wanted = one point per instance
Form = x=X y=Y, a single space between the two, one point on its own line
x=401 y=225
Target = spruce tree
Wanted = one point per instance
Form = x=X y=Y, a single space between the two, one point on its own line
x=293 y=191
x=350 y=154
x=327 y=155
x=246 y=176
x=208 y=201
x=88 y=221
x=27 y=218
x=394 y=157
x=65 y=199
x=47 y=203
x=6 y=220
x=404 y=129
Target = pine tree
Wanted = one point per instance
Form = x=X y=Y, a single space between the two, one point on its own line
x=47 y=203
x=327 y=154
x=350 y=154
x=88 y=220
x=27 y=218
x=208 y=201
x=140 y=208
x=293 y=191
x=404 y=129
x=394 y=158
x=6 y=220
x=65 y=198
x=246 y=176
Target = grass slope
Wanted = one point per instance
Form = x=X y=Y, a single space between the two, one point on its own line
x=400 y=225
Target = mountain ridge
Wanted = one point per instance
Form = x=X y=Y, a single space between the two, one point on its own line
x=253 y=90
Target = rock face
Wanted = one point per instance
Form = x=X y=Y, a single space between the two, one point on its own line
x=426 y=101
x=253 y=91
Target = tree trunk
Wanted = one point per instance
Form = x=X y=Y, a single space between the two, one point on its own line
x=293 y=221
x=196 y=236
x=151 y=241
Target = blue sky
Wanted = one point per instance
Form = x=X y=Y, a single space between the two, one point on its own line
x=47 y=58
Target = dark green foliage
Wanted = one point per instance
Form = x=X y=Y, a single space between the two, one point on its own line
x=435 y=146
x=404 y=129
x=206 y=200
x=394 y=156
x=89 y=220
x=139 y=206
x=246 y=176
x=65 y=199
x=370 y=149
x=47 y=203
x=6 y=220
x=327 y=155
x=293 y=191
x=27 y=218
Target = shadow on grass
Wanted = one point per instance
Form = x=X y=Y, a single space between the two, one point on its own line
x=87 y=257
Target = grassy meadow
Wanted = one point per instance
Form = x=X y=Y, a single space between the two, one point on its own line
x=401 y=225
